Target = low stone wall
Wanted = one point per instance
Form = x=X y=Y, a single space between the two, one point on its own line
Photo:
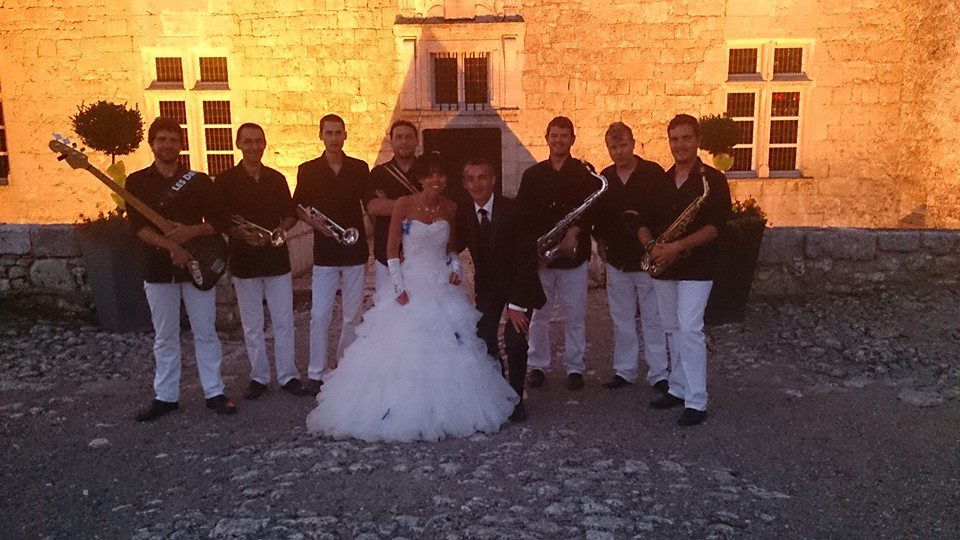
x=43 y=262
x=811 y=260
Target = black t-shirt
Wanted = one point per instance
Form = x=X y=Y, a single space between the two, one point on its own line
x=547 y=195
x=668 y=202
x=385 y=182
x=194 y=203
x=621 y=247
x=339 y=196
x=267 y=203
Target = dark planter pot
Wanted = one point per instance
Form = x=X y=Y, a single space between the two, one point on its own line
x=115 y=273
x=739 y=249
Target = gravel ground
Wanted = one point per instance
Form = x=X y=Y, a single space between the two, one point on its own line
x=834 y=417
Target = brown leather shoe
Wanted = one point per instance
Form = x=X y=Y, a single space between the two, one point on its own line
x=222 y=405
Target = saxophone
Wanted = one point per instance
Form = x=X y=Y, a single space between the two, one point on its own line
x=548 y=245
x=678 y=229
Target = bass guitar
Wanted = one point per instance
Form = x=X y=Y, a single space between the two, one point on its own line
x=208 y=253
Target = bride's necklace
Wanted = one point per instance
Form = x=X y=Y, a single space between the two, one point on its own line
x=432 y=212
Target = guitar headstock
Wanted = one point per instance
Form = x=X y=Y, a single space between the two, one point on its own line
x=68 y=152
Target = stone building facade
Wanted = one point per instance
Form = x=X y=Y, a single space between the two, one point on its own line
x=850 y=109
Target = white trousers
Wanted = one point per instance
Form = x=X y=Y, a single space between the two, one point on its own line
x=625 y=292
x=566 y=289
x=681 y=305
x=326 y=281
x=278 y=292
x=164 y=300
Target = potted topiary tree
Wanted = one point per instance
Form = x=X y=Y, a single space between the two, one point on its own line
x=110 y=251
x=742 y=236
x=718 y=135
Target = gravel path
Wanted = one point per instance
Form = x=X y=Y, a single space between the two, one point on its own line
x=837 y=417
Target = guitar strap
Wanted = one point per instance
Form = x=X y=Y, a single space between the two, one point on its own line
x=400 y=177
x=177 y=188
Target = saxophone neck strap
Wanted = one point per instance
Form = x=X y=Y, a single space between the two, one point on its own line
x=400 y=177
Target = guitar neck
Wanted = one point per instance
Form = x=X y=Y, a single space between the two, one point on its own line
x=152 y=215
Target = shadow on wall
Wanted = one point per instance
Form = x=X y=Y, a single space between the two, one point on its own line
x=459 y=101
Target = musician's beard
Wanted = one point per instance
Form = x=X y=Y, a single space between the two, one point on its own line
x=168 y=158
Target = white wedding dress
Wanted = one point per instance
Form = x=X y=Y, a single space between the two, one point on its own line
x=416 y=371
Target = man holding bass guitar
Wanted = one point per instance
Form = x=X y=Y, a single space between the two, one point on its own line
x=187 y=200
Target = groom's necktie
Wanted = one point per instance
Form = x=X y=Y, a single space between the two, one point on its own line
x=484 y=221
x=485 y=230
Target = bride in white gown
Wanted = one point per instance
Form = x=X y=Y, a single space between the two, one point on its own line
x=417 y=370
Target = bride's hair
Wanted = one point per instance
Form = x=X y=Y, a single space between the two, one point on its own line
x=427 y=164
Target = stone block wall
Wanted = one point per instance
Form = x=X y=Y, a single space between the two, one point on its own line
x=810 y=261
x=40 y=259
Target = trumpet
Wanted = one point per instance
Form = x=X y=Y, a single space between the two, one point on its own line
x=548 y=245
x=275 y=238
x=319 y=221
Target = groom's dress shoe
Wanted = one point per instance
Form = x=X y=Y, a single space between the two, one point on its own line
x=519 y=413
x=575 y=381
x=536 y=378
x=157 y=409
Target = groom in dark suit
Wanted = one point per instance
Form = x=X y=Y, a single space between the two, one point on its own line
x=505 y=261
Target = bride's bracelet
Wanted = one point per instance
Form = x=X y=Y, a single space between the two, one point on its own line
x=396 y=276
x=453 y=261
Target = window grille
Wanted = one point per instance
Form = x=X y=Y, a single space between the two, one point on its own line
x=213 y=69
x=445 y=83
x=784 y=130
x=741 y=106
x=218 y=136
x=169 y=70
x=742 y=62
x=788 y=60
x=475 y=73
x=461 y=81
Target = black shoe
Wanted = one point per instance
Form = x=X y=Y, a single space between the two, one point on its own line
x=313 y=386
x=536 y=378
x=666 y=401
x=255 y=390
x=617 y=382
x=519 y=413
x=662 y=386
x=574 y=381
x=296 y=388
x=222 y=405
x=156 y=409
x=691 y=417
